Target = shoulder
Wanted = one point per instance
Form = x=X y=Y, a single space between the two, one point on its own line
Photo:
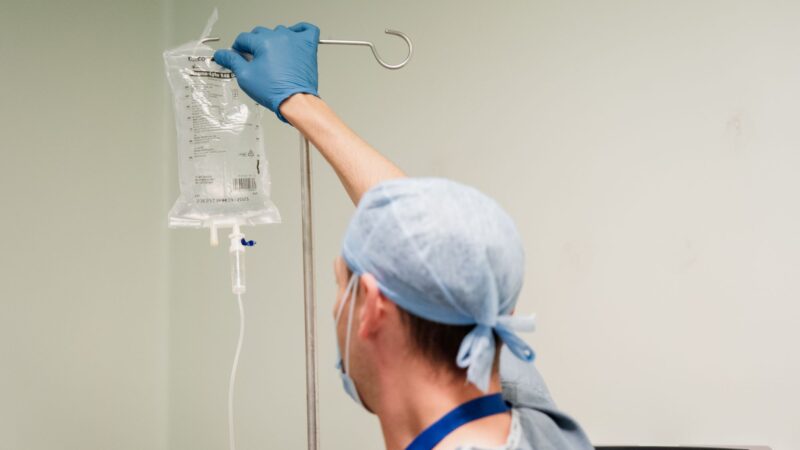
x=521 y=381
x=540 y=429
x=514 y=440
x=543 y=425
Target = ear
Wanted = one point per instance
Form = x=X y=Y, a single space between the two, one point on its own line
x=374 y=309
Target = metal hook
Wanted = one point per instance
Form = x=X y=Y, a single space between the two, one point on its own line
x=364 y=43
x=375 y=51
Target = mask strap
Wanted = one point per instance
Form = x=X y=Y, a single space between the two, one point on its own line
x=345 y=296
x=354 y=292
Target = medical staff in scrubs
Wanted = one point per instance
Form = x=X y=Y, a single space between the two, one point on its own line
x=428 y=278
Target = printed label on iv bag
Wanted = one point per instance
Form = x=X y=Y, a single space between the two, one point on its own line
x=222 y=164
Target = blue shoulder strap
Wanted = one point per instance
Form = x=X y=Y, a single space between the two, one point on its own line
x=472 y=410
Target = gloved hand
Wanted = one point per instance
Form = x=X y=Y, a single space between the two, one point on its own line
x=284 y=63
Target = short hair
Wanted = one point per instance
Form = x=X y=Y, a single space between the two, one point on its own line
x=439 y=343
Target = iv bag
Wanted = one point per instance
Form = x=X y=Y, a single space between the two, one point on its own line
x=222 y=165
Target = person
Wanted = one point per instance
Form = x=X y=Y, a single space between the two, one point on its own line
x=428 y=280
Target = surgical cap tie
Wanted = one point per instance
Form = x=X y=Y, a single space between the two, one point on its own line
x=477 y=350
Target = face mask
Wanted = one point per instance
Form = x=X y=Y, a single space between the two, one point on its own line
x=344 y=370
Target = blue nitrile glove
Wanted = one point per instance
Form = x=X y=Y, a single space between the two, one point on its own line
x=284 y=63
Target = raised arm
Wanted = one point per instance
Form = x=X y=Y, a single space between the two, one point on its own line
x=358 y=165
x=282 y=76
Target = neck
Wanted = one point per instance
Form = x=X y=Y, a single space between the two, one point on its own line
x=412 y=399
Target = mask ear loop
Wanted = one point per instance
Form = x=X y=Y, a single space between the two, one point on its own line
x=345 y=297
x=354 y=292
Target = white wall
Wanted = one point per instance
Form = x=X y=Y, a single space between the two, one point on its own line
x=647 y=150
x=83 y=250
x=654 y=153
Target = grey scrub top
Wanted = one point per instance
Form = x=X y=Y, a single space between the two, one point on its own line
x=537 y=424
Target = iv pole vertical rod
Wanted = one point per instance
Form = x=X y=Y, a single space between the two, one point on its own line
x=312 y=404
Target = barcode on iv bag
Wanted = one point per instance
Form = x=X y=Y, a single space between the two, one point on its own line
x=244 y=184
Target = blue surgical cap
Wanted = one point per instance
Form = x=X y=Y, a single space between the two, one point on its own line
x=447 y=253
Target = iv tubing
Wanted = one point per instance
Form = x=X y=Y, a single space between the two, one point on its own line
x=236 y=250
x=232 y=382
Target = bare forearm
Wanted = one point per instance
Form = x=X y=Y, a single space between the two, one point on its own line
x=358 y=165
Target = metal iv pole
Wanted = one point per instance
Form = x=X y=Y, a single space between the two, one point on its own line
x=312 y=402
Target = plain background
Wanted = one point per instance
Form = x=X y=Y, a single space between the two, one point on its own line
x=648 y=151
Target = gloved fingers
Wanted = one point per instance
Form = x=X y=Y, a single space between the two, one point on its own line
x=260 y=29
x=280 y=28
x=306 y=28
x=299 y=27
x=229 y=59
x=247 y=43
